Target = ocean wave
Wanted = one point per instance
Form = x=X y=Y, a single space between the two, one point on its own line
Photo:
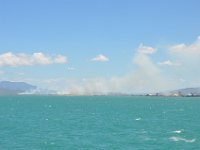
x=178 y=131
x=176 y=139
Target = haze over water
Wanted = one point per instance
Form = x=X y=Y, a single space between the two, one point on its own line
x=99 y=122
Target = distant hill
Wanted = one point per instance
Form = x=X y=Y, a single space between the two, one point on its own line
x=14 y=88
x=187 y=92
x=182 y=92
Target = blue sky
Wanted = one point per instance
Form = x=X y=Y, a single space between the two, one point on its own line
x=80 y=31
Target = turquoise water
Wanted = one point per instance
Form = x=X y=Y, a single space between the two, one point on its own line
x=99 y=123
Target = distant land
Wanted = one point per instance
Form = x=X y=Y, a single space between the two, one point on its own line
x=23 y=88
x=183 y=92
x=15 y=88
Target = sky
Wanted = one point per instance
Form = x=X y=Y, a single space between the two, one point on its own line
x=101 y=46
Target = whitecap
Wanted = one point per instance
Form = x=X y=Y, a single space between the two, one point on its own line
x=137 y=119
x=176 y=139
x=178 y=131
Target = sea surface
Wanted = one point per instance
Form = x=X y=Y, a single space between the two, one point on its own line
x=99 y=123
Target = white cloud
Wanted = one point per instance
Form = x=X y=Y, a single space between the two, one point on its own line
x=38 y=58
x=169 y=63
x=100 y=58
x=60 y=59
x=21 y=59
x=183 y=49
x=189 y=56
x=146 y=49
